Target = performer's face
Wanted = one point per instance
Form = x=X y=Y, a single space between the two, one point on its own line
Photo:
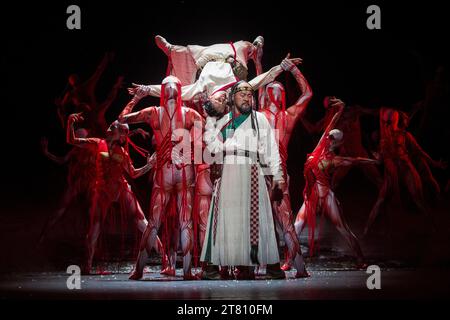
x=219 y=101
x=81 y=133
x=335 y=140
x=118 y=134
x=171 y=90
x=277 y=91
x=244 y=99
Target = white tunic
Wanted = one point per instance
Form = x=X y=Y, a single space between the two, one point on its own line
x=232 y=244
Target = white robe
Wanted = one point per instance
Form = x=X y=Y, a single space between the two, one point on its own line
x=232 y=245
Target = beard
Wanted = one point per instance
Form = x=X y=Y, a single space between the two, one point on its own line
x=244 y=108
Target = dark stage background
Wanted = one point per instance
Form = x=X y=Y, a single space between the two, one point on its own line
x=341 y=57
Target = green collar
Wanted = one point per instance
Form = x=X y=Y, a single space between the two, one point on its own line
x=229 y=129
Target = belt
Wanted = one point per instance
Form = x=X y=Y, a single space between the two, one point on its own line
x=245 y=153
x=242 y=153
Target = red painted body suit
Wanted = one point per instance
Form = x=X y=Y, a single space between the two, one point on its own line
x=396 y=145
x=350 y=125
x=81 y=98
x=173 y=182
x=110 y=187
x=318 y=193
x=283 y=121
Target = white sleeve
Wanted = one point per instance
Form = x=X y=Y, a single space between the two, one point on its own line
x=266 y=77
x=187 y=92
x=190 y=91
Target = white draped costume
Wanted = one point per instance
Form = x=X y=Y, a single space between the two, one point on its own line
x=185 y=61
x=227 y=241
x=215 y=76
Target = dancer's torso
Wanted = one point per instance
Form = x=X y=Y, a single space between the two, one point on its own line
x=110 y=166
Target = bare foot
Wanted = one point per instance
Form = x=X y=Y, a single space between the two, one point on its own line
x=190 y=276
x=259 y=41
x=136 y=275
x=168 y=271
x=163 y=45
x=286 y=266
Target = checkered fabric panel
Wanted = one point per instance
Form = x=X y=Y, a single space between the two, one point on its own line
x=254 y=206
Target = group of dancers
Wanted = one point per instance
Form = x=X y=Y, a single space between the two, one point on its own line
x=220 y=184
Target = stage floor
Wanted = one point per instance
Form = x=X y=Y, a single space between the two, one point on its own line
x=414 y=262
x=326 y=282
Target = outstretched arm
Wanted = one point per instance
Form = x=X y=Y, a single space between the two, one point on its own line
x=51 y=156
x=70 y=134
x=137 y=172
x=269 y=76
x=139 y=91
x=302 y=102
x=334 y=102
x=339 y=161
x=144 y=115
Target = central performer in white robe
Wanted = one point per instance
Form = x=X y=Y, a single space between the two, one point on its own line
x=242 y=140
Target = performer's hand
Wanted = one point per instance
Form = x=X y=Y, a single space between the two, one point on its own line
x=296 y=61
x=277 y=190
x=289 y=64
x=151 y=160
x=335 y=102
x=280 y=184
x=286 y=64
x=133 y=90
x=75 y=117
x=137 y=91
